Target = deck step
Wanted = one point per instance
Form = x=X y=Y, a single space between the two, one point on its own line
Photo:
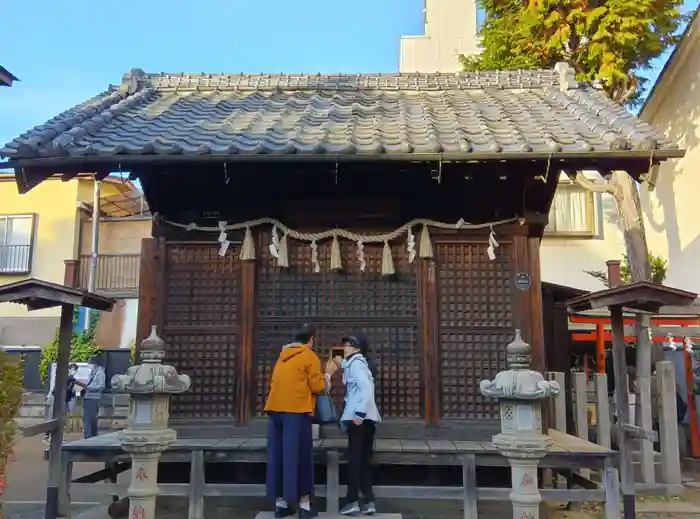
x=324 y=515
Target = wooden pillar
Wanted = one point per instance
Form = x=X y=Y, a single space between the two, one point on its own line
x=246 y=323
x=148 y=311
x=71 y=275
x=521 y=297
x=431 y=340
x=603 y=426
x=53 y=486
x=643 y=395
x=668 y=424
x=623 y=408
x=536 y=317
x=580 y=384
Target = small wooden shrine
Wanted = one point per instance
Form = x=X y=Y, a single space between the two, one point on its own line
x=409 y=206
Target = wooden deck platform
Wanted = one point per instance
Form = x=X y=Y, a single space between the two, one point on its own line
x=566 y=453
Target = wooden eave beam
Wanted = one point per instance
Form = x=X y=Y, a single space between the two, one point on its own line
x=31 y=172
x=28 y=178
x=68 y=176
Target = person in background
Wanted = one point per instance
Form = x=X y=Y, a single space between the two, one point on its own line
x=681 y=406
x=92 y=395
x=359 y=419
x=297 y=379
x=70 y=396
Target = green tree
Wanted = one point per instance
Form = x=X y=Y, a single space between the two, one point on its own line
x=83 y=346
x=607 y=43
x=659 y=271
x=11 y=391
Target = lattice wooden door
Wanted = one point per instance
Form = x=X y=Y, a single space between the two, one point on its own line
x=475 y=325
x=338 y=303
x=200 y=326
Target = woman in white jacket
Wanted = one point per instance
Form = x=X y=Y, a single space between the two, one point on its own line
x=359 y=419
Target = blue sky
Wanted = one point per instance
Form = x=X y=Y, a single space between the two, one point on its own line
x=65 y=52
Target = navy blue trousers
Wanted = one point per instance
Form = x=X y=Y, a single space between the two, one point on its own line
x=290 y=462
x=91 y=412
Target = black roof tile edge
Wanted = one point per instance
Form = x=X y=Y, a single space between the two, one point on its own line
x=344 y=82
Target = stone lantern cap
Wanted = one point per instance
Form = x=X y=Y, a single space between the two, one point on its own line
x=519 y=382
x=152 y=377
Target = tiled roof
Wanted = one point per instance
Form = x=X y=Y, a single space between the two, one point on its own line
x=489 y=114
x=6 y=78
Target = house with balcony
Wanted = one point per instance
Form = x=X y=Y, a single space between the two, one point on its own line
x=47 y=234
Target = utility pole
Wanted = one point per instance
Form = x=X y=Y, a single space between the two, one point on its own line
x=95 y=246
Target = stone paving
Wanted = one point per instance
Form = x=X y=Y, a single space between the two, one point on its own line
x=26 y=487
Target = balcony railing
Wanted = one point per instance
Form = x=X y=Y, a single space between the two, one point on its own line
x=115 y=272
x=15 y=259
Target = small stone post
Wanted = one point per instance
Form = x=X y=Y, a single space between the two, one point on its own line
x=147 y=435
x=520 y=392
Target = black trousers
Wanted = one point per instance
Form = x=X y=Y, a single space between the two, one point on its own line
x=360 y=452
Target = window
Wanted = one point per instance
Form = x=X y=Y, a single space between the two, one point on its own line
x=16 y=232
x=571 y=212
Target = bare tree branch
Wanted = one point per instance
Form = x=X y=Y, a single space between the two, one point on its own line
x=630 y=92
x=580 y=179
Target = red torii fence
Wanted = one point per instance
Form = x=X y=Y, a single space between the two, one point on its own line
x=602 y=334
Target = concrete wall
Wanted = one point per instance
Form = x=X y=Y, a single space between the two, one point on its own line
x=450 y=30
x=131 y=311
x=116 y=237
x=671 y=211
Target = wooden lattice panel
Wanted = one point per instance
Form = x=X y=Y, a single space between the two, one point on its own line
x=200 y=326
x=298 y=291
x=476 y=324
x=338 y=303
x=202 y=288
x=468 y=358
x=210 y=361
x=398 y=359
x=474 y=291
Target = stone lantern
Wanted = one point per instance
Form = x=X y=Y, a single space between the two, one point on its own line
x=520 y=392
x=147 y=435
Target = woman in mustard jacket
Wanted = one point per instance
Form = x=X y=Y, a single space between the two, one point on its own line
x=296 y=381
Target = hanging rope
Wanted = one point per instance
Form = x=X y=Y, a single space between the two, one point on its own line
x=279 y=249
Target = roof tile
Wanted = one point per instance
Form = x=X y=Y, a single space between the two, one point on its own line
x=508 y=112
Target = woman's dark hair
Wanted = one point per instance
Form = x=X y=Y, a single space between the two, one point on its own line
x=97 y=361
x=359 y=340
x=304 y=333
